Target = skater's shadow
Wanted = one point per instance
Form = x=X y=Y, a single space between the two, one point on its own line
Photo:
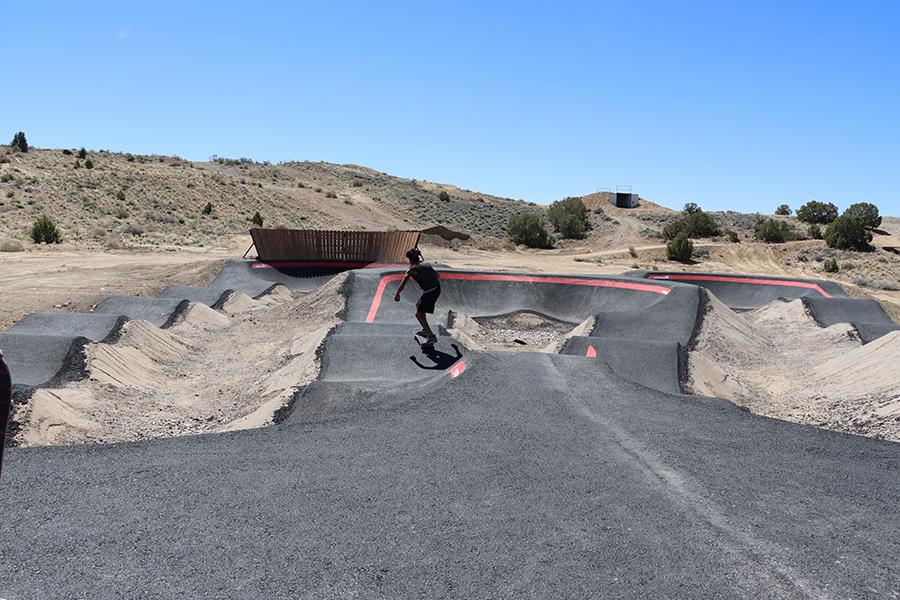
x=442 y=361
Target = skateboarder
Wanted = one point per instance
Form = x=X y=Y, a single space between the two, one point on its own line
x=430 y=282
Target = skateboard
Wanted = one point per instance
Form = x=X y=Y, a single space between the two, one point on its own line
x=425 y=345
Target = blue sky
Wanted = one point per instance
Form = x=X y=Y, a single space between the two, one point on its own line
x=731 y=105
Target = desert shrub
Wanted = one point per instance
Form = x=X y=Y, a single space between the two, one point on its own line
x=570 y=226
x=569 y=217
x=45 y=231
x=357 y=183
x=680 y=248
x=6 y=178
x=82 y=154
x=817 y=212
x=133 y=230
x=67 y=152
x=690 y=208
x=19 y=142
x=121 y=212
x=701 y=224
x=814 y=231
x=632 y=252
x=878 y=284
x=10 y=194
x=830 y=265
x=208 y=208
x=318 y=190
x=732 y=236
x=120 y=195
x=330 y=195
x=257 y=219
x=444 y=196
x=783 y=210
x=772 y=231
x=848 y=232
x=866 y=211
x=11 y=246
x=528 y=229
x=88 y=164
x=694 y=224
x=129 y=157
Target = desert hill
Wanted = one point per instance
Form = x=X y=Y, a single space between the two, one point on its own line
x=110 y=199
x=123 y=202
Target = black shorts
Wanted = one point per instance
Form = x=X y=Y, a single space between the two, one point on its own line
x=426 y=302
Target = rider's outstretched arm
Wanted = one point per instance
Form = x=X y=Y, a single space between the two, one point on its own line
x=400 y=289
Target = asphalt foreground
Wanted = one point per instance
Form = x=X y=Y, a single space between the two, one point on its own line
x=465 y=474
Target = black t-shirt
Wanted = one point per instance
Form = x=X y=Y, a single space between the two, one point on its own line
x=425 y=275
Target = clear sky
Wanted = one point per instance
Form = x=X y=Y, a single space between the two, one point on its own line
x=733 y=105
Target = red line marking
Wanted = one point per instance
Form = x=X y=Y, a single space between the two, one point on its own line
x=750 y=280
x=300 y=263
x=626 y=285
x=591 y=352
x=457 y=369
x=376 y=301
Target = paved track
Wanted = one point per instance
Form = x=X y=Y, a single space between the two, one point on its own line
x=471 y=475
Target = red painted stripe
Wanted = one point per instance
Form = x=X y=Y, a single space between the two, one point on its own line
x=750 y=280
x=301 y=263
x=376 y=301
x=457 y=369
x=626 y=285
x=591 y=352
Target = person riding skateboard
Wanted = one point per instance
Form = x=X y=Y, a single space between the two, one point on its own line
x=430 y=282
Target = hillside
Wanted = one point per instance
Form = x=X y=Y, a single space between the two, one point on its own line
x=159 y=200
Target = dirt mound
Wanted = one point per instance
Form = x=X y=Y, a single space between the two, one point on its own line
x=278 y=294
x=201 y=316
x=206 y=373
x=519 y=332
x=239 y=302
x=137 y=360
x=777 y=362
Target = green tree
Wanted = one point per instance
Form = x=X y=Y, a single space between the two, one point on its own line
x=569 y=217
x=732 y=236
x=817 y=212
x=783 y=210
x=208 y=208
x=45 y=231
x=830 y=265
x=867 y=211
x=848 y=232
x=681 y=248
x=19 y=142
x=88 y=164
x=814 y=231
x=444 y=196
x=257 y=219
x=691 y=208
x=772 y=231
x=82 y=154
x=528 y=228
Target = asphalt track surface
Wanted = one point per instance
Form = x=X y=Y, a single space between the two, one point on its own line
x=465 y=474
